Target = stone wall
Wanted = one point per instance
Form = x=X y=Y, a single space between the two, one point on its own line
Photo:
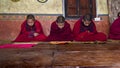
x=114 y=8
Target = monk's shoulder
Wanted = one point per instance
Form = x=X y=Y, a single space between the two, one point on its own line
x=36 y=21
x=54 y=23
x=67 y=23
x=24 y=23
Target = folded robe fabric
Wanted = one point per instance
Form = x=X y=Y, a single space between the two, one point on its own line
x=16 y=46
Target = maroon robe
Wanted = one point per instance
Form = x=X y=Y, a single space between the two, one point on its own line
x=115 y=30
x=26 y=33
x=84 y=33
x=63 y=34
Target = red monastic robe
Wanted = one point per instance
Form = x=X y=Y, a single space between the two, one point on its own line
x=115 y=30
x=86 y=35
x=60 y=34
x=27 y=35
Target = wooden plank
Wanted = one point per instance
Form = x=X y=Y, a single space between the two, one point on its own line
x=82 y=67
x=68 y=55
x=25 y=57
x=45 y=47
x=89 y=47
x=86 y=58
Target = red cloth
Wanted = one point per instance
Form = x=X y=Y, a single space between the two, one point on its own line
x=57 y=34
x=16 y=46
x=115 y=30
x=87 y=36
x=24 y=33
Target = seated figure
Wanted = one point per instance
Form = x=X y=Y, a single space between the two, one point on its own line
x=115 y=29
x=31 y=30
x=60 y=30
x=85 y=30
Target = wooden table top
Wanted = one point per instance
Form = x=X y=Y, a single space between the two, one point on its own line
x=73 y=54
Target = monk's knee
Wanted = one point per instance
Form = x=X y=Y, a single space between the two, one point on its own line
x=101 y=37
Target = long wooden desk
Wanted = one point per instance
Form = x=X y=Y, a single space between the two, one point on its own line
x=73 y=55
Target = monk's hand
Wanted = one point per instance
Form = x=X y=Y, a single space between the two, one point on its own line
x=36 y=34
x=88 y=31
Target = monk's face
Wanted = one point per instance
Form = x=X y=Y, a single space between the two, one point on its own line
x=30 y=22
x=86 y=23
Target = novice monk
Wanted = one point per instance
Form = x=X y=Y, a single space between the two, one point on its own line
x=60 y=30
x=31 y=30
x=115 y=29
x=85 y=30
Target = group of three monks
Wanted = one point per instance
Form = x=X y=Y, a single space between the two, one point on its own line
x=84 y=30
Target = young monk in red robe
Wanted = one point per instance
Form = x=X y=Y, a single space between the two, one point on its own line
x=31 y=30
x=60 y=30
x=85 y=30
x=115 y=29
